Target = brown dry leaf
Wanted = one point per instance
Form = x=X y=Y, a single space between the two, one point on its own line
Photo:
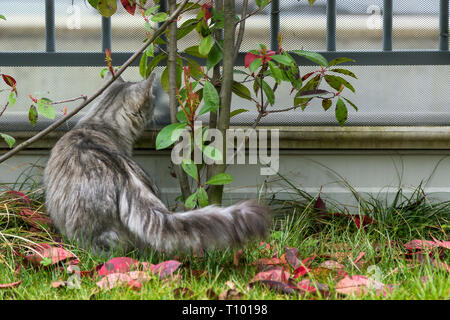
x=231 y=294
x=332 y=265
x=10 y=285
x=181 y=292
x=59 y=284
x=237 y=257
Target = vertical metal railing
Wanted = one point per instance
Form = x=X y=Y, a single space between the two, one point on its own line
x=443 y=25
x=331 y=25
x=50 y=26
x=106 y=34
x=387 y=25
x=274 y=24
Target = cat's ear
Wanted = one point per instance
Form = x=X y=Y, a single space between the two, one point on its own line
x=147 y=84
x=109 y=76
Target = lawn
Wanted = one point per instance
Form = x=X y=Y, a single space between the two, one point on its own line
x=386 y=250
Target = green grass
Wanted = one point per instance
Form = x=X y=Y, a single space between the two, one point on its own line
x=297 y=225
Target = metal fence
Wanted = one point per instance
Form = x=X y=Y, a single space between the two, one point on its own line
x=385 y=56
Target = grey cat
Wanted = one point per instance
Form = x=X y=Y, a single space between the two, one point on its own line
x=98 y=195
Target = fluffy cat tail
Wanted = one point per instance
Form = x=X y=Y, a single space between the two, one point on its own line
x=213 y=227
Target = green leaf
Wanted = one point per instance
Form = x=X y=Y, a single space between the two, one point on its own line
x=269 y=92
x=190 y=168
x=12 y=99
x=150 y=51
x=205 y=45
x=150 y=11
x=282 y=59
x=159 y=17
x=242 y=91
x=32 y=115
x=93 y=3
x=168 y=135
x=8 y=139
x=255 y=65
x=154 y=63
x=191 y=201
x=341 y=112
x=214 y=57
x=45 y=108
x=346 y=72
x=210 y=98
x=313 y=93
x=143 y=65
x=186 y=28
x=202 y=197
x=194 y=51
x=165 y=78
x=339 y=61
x=311 y=2
x=2 y=17
x=335 y=82
x=181 y=117
x=312 y=56
x=237 y=111
x=276 y=72
x=212 y=153
x=326 y=104
x=107 y=7
x=103 y=72
x=351 y=103
x=220 y=179
x=262 y=3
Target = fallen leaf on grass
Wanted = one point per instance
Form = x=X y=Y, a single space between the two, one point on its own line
x=10 y=285
x=443 y=244
x=35 y=219
x=331 y=264
x=310 y=286
x=304 y=268
x=58 y=284
x=359 y=285
x=48 y=255
x=117 y=265
x=20 y=196
x=132 y=280
x=420 y=245
x=166 y=268
x=276 y=275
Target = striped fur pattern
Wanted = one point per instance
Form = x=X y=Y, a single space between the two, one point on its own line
x=99 y=196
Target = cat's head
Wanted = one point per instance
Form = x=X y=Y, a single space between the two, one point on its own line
x=124 y=106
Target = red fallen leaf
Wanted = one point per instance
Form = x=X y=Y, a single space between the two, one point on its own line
x=58 y=284
x=443 y=244
x=291 y=257
x=10 y=285
x=275 y=275
x=275 y=285
x=237 y=256
x=56 y=255
x=264 y=246
x=420 y=245
x=360 y=255
x=20 y=195
x=132 y=279
x=269 y=262
x=166 y=268
x=362 y=221
x=35 y=219
x=319 y=205
x=304 y=268
x=131 y=8
x=306 y=286
x=358 y=285
x=117 y=265
x=134 y=285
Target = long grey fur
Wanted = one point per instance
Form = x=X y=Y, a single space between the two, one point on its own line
x=99 y=196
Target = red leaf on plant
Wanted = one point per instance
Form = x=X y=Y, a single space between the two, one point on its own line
x=131 y=8
x=20 y=195
x=206 y=8
x=45 y=251
x=249 y=57
x=306 y=76
x=166 y=268
x=117 y=265
x=10 y=285
x=10 y=81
